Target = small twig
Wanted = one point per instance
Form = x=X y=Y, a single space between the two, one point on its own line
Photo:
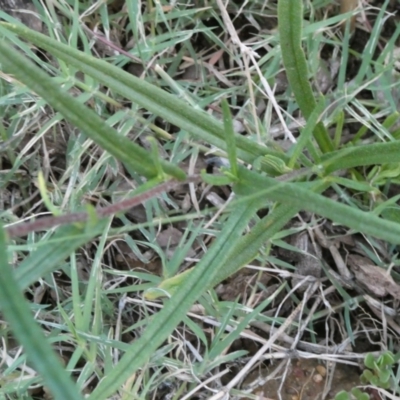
x=23 y=228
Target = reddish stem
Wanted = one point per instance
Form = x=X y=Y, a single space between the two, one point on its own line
x=23 y=228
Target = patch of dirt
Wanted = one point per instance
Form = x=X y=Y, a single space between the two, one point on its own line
x=309 y=380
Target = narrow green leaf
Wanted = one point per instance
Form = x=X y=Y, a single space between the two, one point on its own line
x=339 y=129
x=227 y=340
x=369 y=50
x=290 y=18
x=240 y=254
x=197 y=123
x=16 y=311
x=306 y=135
x=156 y=157
x=45 y=197
x=352 y=184
x=48 y=256
x=245 y=251
x=230 y=137
x=175 y=308
x=82 y=117
x=297 y=196
x=168 y=286
x=391 y=120
x=370 y=154
x=216 y=180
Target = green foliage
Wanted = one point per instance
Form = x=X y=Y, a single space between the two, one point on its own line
x=277 y=164
x=380 y=370
x=379 y=373
x=290 y=14
x=355 y=394
x=306 y=171
x=17 y=311
x=230 y=138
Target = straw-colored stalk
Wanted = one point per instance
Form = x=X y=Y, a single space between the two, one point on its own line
x=348 y=6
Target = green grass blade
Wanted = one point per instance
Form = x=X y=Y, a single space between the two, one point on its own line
x=290 y=17
x=306 y=135
x=249 y=246
x=175 y=308
x=47 y=257
x=16 y=311
x=230 y=137
x=197 y=123
x=82 y=117
x=370 y=48
x=364 y=155
x=305 y=199
x=262 y=231
x=237 y=252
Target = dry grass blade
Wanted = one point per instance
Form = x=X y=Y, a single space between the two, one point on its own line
x=348 y=6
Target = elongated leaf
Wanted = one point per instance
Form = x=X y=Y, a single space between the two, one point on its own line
x=290 y=19
x=306 y=135
x=48 y=257
x=248 y=247
x=82 y=117
x=371 y=154
x=175 y=308
x=18 y=314
x=243 y=253
x=161 y=103
x=299 y=197
x=230 y=137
